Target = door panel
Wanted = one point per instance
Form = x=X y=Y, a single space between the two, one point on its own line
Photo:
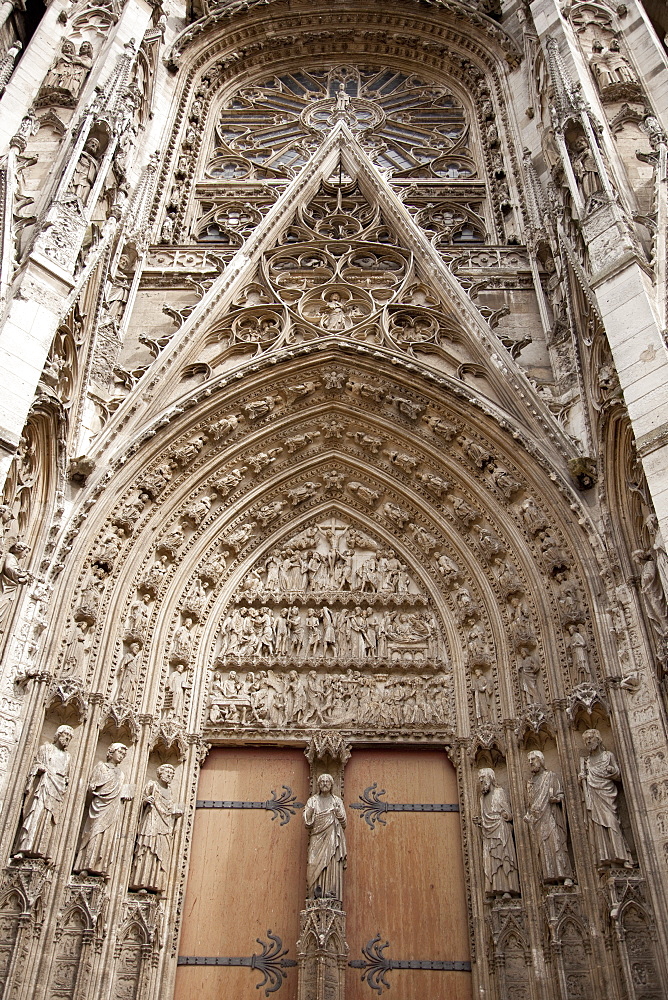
x=247 y=873
x=405 y=879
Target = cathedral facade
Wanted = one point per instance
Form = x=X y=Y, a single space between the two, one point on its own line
x=334 y=456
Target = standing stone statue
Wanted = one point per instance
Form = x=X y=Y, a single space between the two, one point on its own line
x=483 y=695
x=12 y=576
x=156 y=829
x=498 y=847
x=325 y=819
x=599 y=771
x=126 y=676
x=43 y=801
x=546 y=819
x=584 y=168
x=108 y=789
x=86 y=170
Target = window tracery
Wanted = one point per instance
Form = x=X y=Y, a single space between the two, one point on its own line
x=410 y=128
x=418 y=133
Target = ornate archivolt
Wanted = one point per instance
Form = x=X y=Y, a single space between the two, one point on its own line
x=262 y=480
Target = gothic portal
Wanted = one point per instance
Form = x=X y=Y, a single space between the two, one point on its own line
x=333 y=588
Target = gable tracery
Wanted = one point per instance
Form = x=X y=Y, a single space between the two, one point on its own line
x=236 y=158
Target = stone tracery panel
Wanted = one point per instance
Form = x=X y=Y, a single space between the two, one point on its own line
x=415 y=129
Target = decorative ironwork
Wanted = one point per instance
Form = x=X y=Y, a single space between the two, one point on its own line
x=284 y=805
x=372 y=807
x=376 y=965
x=270 y=962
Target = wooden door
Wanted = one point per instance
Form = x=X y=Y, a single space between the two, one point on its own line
x=247 y=877
x=405 y=879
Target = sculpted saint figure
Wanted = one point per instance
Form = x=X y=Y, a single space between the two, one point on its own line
x=599 y=771
x=156 y=829
x=483 y=695
x=546 y=819
x=107 y=789
x=126 y=678
x=584 y=168
x=47 y=782
x=651 y=588
x=60 y=74
x=498 y=847
x=86 y=170
x=579 y=656
x=600 y=63
x=325 y=819
x=11 y=577
x=342 y=98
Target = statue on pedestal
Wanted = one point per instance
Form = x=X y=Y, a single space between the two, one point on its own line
x=325 y=819
x=156 y=829
x=546 y=819
x=47 y=781
x=108 y=790
x=498 y=847
x=599 y=771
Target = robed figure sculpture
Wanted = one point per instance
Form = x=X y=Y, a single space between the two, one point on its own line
x=498 y=847
x=599 y=773
x=156 y=831
x=43 y=801
x=107 y=789
x=325 y=819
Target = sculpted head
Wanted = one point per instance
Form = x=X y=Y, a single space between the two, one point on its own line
x=536 y=761
x=166 y=774
x=116 y=753
x=326 y=783
x=592 y=739
x=63 y=736
x=487 y=779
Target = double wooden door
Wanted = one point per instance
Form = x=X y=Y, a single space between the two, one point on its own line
x=404 y=890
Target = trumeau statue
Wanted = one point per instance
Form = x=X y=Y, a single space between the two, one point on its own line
x=47 y=781
x=108 y=790
x=498 y=847
x=546 y=820
x=325 y=819
x=599 y=772
x=156 y=830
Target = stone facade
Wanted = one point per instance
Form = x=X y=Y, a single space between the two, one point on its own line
x=333 y=394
